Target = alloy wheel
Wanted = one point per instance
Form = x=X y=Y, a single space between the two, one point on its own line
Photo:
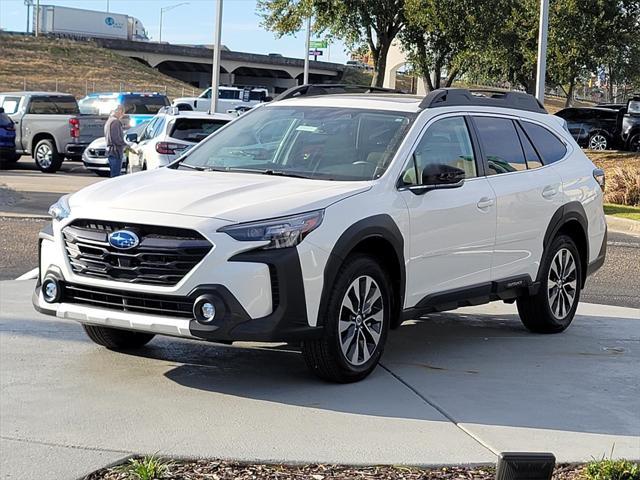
x=44 y=155
x=361 y=320
x=598 y=142
x=562 y=283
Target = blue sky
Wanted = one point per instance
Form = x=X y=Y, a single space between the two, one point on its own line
x=192 y=23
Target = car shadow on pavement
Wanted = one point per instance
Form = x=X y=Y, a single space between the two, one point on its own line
x=478 y=369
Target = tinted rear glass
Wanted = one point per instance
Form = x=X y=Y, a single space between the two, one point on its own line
x=194 y=129
x=54 y=106
x=500 y=144
x=550 y=147
x=144 y=105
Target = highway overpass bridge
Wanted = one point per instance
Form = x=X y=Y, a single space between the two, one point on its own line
x=193 y=65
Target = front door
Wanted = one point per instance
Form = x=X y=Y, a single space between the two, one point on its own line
x=452 y=230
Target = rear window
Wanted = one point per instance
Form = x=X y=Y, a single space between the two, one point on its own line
x=550 y=147
x=54 y=106
x=194 y=129
x=144 y=105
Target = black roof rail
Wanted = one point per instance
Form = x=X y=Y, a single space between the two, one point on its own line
x=458 y=97
x=315 y=89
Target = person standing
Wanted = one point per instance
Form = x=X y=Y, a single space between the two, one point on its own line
x=114 y=135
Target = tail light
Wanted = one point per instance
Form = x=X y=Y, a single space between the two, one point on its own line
x=598 y=174
x=74 y=123
x=168 y=148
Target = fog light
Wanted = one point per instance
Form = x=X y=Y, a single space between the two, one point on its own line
x=50 y=290
x=204 y=309
x=208 y=311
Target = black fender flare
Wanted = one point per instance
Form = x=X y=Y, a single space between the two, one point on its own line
x=377 y=226
x=570 y=212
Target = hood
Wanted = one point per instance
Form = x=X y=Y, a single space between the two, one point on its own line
x=234 y=197
x=100 y=142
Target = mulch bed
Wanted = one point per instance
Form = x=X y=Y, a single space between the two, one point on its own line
x=223 y=470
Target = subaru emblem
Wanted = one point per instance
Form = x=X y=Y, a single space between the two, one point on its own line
x=123 y=239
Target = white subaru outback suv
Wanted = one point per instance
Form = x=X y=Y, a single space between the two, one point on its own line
x=330 y=220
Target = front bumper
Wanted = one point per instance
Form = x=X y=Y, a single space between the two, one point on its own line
x=100 y=164
x=128 y=307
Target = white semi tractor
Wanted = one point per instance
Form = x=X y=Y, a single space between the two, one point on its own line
x=89 y=23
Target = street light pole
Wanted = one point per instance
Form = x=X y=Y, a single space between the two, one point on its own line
x=37 y=25
x=166 y=9
x=307 y=45
x=215 y=66
x=542 y=50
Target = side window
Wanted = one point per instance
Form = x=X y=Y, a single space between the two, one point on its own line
x=530 y=154
x=10 y=104
x=550 y=147
x=146 y=134
x=500 y=144
x=158 y=128
x=446 y=142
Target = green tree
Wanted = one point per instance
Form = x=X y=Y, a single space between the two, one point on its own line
x=440 y=35
x=358 y=22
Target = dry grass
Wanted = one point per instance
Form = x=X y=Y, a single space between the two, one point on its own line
x=76 y=67
x=622 y=171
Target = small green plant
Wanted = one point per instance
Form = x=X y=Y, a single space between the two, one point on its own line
x=608 y=469
x=146 y=468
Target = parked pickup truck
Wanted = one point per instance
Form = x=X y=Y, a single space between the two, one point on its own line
x=49 y=127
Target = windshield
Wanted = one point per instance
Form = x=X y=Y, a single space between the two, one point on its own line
x=310 y=142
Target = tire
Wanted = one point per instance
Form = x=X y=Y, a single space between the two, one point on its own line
x=552 y=309
x=340 y=356
x=598 y=141
x=13 y=158
x=116 y=339
x=46 y=156
x=634 y=143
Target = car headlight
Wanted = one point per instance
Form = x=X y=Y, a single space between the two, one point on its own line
x=279 y=232
x=61 y=209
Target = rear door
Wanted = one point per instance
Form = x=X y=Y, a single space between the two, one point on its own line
x=528 y=193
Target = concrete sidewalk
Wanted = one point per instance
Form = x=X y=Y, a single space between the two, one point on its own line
x=454 y=388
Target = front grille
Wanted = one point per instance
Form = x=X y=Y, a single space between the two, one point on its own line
x=127 y=301
x=163 y=257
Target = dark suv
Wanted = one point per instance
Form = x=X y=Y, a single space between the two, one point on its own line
x=596 y=128
x=7 y=138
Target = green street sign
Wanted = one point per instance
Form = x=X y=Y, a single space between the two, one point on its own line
x=318 y=44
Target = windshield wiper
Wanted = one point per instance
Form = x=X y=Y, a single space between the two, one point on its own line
x=192 y=167
x=283 y=173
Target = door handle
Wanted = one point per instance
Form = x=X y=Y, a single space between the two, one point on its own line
x=485 y=202
x=550 y=191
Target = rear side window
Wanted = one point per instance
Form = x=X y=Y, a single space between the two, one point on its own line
x=550 y=147
x=500 y=144
x=194 y=129
x=54 y=106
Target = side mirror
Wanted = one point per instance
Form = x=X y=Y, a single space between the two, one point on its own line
x=1 y=110
x=131 y=137
x=440 y=175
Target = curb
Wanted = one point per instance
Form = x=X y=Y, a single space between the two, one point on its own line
x=623 y=225
x=24 y=215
